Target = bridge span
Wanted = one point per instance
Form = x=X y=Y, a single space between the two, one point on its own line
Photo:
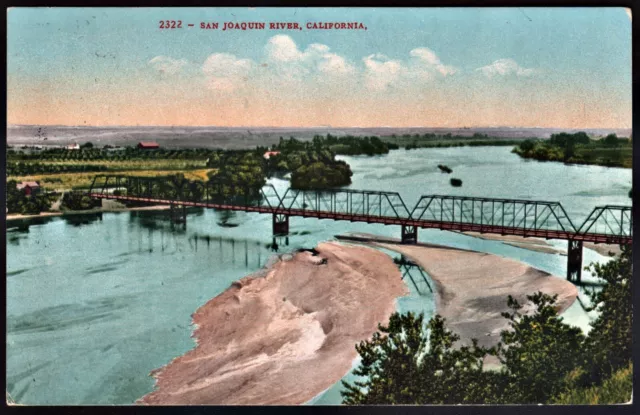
x=527 y=218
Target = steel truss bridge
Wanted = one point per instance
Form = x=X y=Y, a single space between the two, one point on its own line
x=527 y=218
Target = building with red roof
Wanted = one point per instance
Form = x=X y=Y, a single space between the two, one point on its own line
x=29 y=188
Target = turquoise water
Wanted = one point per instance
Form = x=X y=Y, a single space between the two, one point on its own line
x=95 y=302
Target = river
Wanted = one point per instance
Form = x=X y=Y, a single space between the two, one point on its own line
x=96 y=302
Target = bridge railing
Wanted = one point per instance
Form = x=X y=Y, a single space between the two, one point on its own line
x=609 y=220
x=491 y=212
x=364 y=203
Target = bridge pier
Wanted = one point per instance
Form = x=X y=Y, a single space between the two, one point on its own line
x=574 y=260
x=409 y=234
x=178 y=214
x=280 y=224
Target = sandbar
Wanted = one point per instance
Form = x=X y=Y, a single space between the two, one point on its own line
x=472 y=288
x=284 y=336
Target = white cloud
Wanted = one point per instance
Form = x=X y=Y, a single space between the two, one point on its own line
x=381 y=72
x=428 y=61
x=281 y=48
x=282 y=51
x=225 y=72
x=167 y=65
x=287 y=68
x=504 y=67
x=423 y=65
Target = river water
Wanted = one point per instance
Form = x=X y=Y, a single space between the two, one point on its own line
x=96 y=302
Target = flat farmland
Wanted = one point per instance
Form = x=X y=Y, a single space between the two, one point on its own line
x=65 y=181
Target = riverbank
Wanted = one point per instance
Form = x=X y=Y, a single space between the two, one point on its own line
x=285 y=334
x=16 y=216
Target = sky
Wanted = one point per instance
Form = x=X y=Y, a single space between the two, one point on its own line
x=430 y=67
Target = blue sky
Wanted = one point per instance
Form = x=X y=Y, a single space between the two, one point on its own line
x=80 y=63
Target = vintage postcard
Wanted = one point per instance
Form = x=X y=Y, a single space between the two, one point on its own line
x=315 y=206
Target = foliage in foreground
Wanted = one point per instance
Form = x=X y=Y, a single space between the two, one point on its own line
x=400 y=368
x=616 y=389
x=609 y=344
x=543 y=359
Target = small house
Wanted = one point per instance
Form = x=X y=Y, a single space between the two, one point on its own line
x=74 y=146
x=28 y=188
x=269 y=154
x=148 y=145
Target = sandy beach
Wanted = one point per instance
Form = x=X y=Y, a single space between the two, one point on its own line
x=472 y=288
x=287 y=335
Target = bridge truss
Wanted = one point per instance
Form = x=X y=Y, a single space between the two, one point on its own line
x=526 y=218
x=505 y=216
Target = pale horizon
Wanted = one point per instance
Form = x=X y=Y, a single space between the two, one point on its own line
x=318 y=126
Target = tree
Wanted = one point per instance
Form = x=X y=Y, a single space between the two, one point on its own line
x=527 y=145
x=611 y=140
x=538 y=351
x=321 y=175
x=609 y=344
x=402 y=364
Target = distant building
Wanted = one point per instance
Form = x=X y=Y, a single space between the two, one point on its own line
x=148 y=145
x=74 y=146
x=29 y=188
x=268 y=154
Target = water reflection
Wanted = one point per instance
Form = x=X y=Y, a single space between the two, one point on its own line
x=22 y=225
x=82 y=218
x=410 y=269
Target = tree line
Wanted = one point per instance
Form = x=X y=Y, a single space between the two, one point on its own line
x=27 y=169
x=577 y=148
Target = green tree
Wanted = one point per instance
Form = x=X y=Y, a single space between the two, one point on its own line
x=538 y=351
x=527 y=145
x=403 y=364
x=611 y=140
x=609 y=344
